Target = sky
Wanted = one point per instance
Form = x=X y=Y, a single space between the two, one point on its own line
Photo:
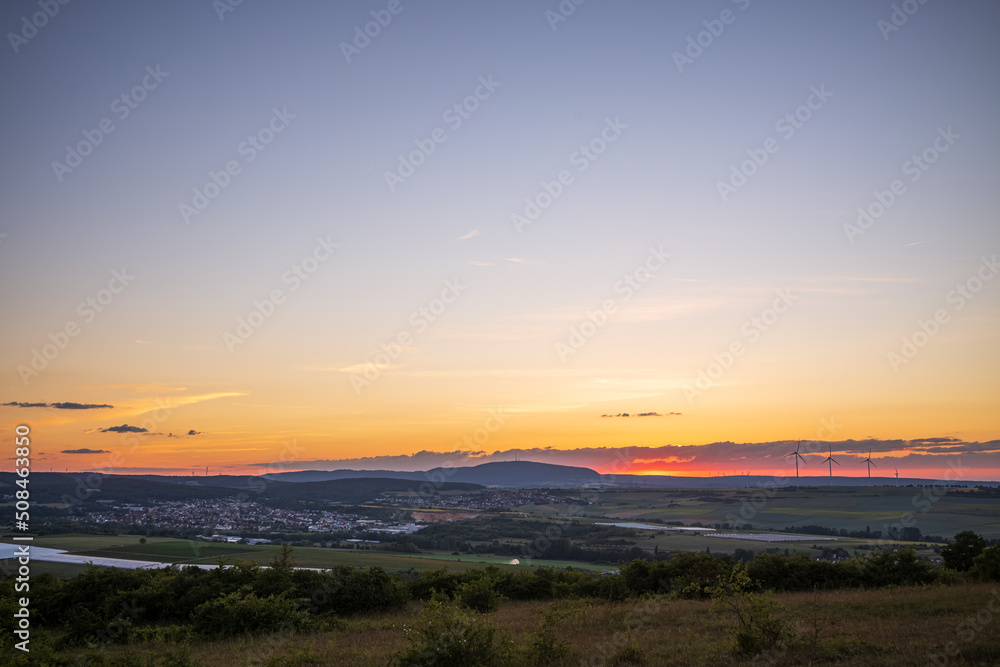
x=251 y=237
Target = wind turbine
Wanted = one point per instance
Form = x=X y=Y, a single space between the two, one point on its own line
x=797 y=457
x=870 y=463
x=831 y=460
x=897 y=473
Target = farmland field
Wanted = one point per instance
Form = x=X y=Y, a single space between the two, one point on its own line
x=850 y=508
x=186 y=552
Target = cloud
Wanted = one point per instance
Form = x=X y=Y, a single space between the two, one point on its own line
x=191 y=432
x=645 y=414
x=149 y=471
x=59 y=406
x=80 y=406
x=363 y=366
x=516 y=260
x=144 y=342
x=124 y=428
x=141 y=387
x=84 y=451
x=474 y=232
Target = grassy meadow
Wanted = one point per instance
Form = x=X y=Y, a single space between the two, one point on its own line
x=903 y=626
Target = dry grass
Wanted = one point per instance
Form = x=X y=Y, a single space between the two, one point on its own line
x=887 y=627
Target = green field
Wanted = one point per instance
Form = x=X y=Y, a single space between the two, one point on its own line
x=850 y=508
x=186 y=552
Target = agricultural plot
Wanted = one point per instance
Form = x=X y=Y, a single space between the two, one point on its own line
x=847 y=508
x=772 y=537
x=190 y=552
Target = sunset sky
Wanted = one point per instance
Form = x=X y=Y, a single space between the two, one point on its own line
x=256 y=238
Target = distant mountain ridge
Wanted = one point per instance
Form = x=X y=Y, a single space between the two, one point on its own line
x=532 y=474
x=356 y=486
x=508 y=474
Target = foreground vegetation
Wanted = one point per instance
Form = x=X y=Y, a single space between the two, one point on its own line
x=652 y=612
x=894 y=626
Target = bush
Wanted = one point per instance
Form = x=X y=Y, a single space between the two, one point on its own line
x=960 y=554
x=986 y=566
x=544 y=648
x=450 y=636
x=242 y=612
x=367 y=590
x=479 y=595
x=758 y=628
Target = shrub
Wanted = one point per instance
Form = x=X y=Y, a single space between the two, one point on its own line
x=960 y=554
x=450 y=636
x=986 y=566
x=368 y=590
x=242 y=612
x=544 y=648
x=757 y=628
x=479 y=595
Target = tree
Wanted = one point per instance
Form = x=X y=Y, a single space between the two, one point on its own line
x=959 y=554
x=986 y=566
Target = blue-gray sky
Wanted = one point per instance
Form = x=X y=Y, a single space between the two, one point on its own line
x=886 y=92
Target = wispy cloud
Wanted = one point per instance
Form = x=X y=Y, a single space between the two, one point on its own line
x=362 y=367
x=469 y=235
x=59 y=406
x=141 y=387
